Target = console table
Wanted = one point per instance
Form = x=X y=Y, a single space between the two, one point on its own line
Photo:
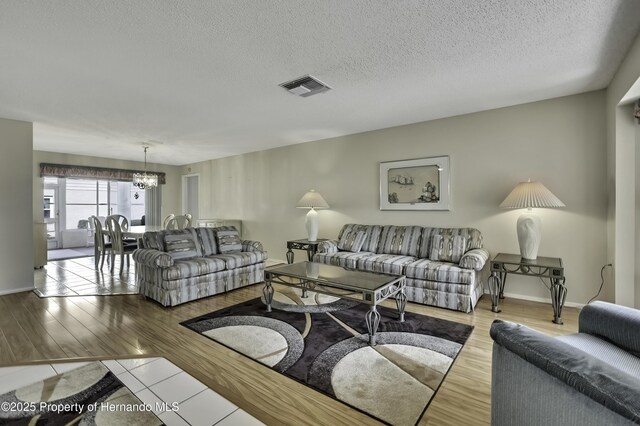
x=545 y=268
x=310 y=246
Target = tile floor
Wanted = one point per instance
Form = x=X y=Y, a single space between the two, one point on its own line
x=154 y=381
x=78 y=277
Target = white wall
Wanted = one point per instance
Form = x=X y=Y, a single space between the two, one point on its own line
x=16 y=232
x=560 y=142
x=621 y=169
x=637 y=218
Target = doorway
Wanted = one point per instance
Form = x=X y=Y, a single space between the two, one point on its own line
x=190 y=198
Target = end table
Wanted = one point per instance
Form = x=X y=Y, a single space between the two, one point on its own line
x=549 y=268
x=310 y=246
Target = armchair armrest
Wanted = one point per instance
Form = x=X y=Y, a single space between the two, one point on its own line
x=618 y=324
x=249 y=245
x=329 y=246
x=474 y=259
x=152 y=258
x=610 y=387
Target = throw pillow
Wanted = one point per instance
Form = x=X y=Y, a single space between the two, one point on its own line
x=229 y=241
x=352 y=241
x=181 y=245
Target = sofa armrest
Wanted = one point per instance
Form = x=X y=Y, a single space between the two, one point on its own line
x=590 y=376
x=152 y=258
x=249 y=245
x=329 y=246
x=474 y=259
x=618 y=324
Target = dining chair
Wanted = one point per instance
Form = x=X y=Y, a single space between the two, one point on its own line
x=119 y=246
x=124 y=226
x=180 y=222
x=122 y=221
x=101 y=246
x=167 y=220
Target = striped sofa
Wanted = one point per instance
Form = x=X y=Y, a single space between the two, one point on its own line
x=445 y=267
x=178 y=266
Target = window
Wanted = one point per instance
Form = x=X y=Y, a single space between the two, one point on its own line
x=69 y=202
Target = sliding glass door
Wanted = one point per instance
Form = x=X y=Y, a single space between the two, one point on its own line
x=69 y=202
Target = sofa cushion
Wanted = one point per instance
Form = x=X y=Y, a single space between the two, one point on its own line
x=400 y=240
x=385 y=263
x=239 y=259
x=604 y=351
x=430 y=270
x=228 y=241
x=448 y=244
x=207 y=240
x=346 y=259
x=182 y=244
x=371 y=233
x=193 y=268
x=153 y=240
x=352 y=241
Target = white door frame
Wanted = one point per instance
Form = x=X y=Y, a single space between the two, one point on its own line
x=184 y=195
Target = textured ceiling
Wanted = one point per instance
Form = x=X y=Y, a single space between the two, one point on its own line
x=99 y=77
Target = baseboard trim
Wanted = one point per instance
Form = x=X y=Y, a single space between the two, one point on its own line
x=17 y=290
x=541 y=299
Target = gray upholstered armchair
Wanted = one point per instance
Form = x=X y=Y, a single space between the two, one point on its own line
x=588 y=378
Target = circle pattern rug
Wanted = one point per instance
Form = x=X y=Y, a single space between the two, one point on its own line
x=322 y=341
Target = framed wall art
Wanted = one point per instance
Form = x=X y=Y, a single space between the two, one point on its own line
x=421 y=184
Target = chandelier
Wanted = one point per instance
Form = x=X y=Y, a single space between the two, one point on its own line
x=145 y=180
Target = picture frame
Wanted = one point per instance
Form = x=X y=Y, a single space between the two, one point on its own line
x=420 y=184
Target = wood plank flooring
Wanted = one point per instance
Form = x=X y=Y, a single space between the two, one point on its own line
x=38 y=329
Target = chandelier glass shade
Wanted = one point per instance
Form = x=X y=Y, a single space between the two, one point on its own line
x=145 y=180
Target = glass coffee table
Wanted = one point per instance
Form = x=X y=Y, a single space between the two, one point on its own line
x=366 y=287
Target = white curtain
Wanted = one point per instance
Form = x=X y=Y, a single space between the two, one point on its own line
x=153 y=206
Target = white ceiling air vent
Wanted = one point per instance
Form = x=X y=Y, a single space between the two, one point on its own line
x=305 y=86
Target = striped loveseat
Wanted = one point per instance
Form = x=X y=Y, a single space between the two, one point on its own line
x=445 y=267
x=179 y=266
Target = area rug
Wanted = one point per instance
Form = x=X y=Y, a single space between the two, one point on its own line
x=87 y=395
x=322 y=342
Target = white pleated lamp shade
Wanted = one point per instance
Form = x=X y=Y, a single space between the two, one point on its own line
x=312 y=200
x=531 y=194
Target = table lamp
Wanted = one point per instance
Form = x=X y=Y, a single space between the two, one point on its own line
x=529 y=195
x=312 y=200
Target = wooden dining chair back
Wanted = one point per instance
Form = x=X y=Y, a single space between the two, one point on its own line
x=122 y=221
x=167 y=220
x=119 y=246
x=101 y=246
x=183 y=221
x=180 y=222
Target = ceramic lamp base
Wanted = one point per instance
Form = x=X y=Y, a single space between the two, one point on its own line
x=529 y=235
x=311 y=222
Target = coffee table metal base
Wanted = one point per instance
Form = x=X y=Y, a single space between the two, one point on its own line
x=372 y=317
x=267 y=291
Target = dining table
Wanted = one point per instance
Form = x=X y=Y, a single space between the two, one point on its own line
x=137 y=231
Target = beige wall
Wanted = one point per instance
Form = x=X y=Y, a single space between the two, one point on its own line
x=621 y=169
x=16 y=232
x=637 y=221
x=560 y=142
x=170 y=192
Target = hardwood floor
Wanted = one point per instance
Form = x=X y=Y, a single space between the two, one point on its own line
x=37 y=329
